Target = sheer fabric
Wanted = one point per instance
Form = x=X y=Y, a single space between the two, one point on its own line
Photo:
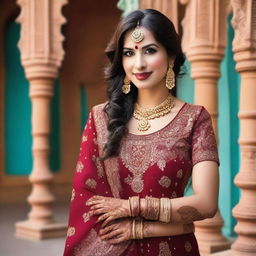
x=158 y=164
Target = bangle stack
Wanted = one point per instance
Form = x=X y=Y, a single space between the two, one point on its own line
x=155 y=208
x=137 y=229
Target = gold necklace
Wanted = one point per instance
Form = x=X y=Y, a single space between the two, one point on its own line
x=146 y=114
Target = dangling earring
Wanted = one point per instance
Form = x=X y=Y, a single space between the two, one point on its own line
x=126 y=88
x=170 y=78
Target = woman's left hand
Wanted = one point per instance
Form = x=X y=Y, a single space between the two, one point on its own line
x=109 y=208
x=117 y=232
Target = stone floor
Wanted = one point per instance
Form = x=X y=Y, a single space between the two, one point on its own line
x=12 y=246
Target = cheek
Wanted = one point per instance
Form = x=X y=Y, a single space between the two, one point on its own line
x=159 y=63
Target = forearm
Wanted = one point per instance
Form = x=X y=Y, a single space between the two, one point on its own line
x=188 y=209
x=159 y=229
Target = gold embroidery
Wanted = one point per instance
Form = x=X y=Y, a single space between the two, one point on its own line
x=161 y=164
x=99 y=166
x=84 y=138
x=86 y=217
x=179 y=173
x=111 y=164
x=188 y=246
x=71 y=231
x=79 y=166
x=165 y=182
x=164 y=249
x=93 y=245
x=91 y=183
x=73 y=195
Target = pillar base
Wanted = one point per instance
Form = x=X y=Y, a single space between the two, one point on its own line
x=211 y=247
x=35 y=231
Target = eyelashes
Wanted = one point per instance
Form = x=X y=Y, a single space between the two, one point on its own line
x=129 y=53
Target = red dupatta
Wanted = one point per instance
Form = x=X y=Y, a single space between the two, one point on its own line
x=92 y=177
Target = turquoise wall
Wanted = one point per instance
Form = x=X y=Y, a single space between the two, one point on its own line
x=84 y=107
x=17 y=125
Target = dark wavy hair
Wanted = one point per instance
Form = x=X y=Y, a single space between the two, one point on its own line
x=120 y=106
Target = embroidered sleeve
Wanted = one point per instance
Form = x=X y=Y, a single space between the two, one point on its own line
x=204 y=146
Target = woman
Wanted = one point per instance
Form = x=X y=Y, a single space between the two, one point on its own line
x=139 y=150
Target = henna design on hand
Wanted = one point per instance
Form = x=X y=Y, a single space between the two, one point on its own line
x=188 y=228
x=189 y=214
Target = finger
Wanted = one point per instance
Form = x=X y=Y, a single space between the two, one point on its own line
x=117 y=240
x=97 y=206
x=99 y=211
x=107 y=221
x=106 y=229
x=111 y=234
x=103 y=217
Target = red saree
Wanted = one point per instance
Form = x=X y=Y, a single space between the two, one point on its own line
x=158 y=164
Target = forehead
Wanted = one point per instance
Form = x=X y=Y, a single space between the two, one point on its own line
x=148 y=38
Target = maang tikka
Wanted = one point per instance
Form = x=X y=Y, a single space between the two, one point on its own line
x=137 y=34
x=170 y=77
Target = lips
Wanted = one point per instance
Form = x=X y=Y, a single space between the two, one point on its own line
x=142 y=76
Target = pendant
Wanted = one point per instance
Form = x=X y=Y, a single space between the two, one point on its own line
x=143 y=125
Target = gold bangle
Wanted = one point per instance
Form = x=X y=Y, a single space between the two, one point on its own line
x=165 y=209
x=133 y=229
x=151 y=211
x=134 y=206
x=138 y=229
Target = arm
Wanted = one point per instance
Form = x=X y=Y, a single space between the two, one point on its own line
x=201 y=205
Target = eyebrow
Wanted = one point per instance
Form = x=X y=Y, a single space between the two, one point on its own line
x=144 y=47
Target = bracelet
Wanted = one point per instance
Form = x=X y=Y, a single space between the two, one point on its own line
x=165 y=209
x=134 y=202
x=152 y=208
x=137 y=229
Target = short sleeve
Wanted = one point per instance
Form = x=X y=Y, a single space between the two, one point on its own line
x=204 y=145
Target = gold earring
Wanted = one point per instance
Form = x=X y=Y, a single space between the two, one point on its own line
x=170 y=78
x=126 y=88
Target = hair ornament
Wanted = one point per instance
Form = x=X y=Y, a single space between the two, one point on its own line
x=137 y=34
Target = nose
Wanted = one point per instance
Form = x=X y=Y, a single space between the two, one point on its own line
x=140 y=62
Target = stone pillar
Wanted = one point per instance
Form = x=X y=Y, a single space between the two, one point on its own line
x=204 y=41
x=41 y=55
x=167 y=7
x=244 y=47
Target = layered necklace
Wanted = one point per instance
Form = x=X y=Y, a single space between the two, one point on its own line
x=143 y=115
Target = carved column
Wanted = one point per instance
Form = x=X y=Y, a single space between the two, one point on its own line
x=167 y=7
x=244 y=47
x=41 y=55
x=204 y=41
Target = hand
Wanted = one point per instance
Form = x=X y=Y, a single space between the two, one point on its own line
x=117 y=232
x=109 y=208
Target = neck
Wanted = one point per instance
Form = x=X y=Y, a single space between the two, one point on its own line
x=152 y=98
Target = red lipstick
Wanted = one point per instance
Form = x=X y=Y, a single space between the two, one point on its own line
x=142 y=76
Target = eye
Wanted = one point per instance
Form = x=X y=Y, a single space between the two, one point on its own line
x=128 y=53
x=150 y=50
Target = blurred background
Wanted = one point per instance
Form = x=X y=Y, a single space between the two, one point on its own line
x=51 y=74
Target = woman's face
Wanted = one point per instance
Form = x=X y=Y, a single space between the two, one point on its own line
x=145 y=63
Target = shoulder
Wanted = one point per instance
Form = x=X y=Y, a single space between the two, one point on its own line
x=98 y=110
x=197 y=111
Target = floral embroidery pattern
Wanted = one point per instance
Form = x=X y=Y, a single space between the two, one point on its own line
x=79 y=166
x=71 y=231
x=91 y=183
x=99 y=166
x=93 y=245
x=179 y=173
x=161 y=164
x=84 y=138
x=86 y=217
x=164 y=249
x=165 y=182
x=73 y=195
x=188 y=246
